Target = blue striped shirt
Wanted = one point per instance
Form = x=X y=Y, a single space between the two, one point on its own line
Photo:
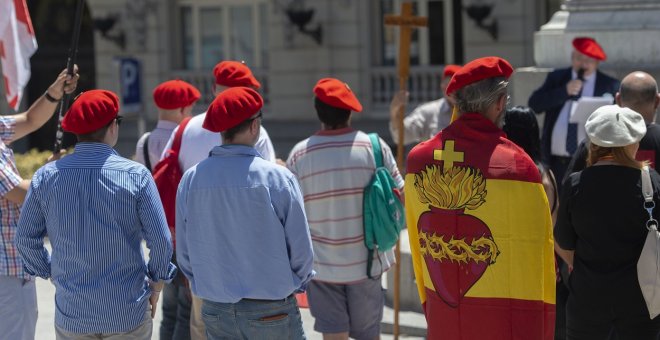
x=96 y=207
x=241 y=230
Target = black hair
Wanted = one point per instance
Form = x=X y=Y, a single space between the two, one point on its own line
x=522 y=128
x=332 y=117
x=96 y=136
x=229 y=134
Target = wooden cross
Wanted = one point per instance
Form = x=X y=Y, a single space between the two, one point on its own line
x=448 y=155
x=406 y=21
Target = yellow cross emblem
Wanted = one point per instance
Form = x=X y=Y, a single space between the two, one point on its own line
x=449 y=156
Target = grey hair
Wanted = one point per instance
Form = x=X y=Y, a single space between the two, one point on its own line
x=479 y=96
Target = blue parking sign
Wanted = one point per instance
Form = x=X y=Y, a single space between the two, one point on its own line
x=131 y=84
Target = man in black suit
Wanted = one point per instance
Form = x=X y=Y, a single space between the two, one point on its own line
x=559 y=91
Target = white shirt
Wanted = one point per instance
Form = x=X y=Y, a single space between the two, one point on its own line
x=158 y=138
x=560 y=130
x=424 y=122
x=197 y=142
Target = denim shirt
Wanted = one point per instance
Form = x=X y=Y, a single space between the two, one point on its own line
x=241 y=228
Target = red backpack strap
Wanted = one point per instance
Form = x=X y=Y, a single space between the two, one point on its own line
x=176 y=143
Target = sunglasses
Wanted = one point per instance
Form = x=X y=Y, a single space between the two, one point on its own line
x=118 y=119
x=260 y=115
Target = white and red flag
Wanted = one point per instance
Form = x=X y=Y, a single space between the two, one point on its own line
x=17 y=45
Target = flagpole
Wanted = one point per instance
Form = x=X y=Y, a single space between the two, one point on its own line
x=70 y=62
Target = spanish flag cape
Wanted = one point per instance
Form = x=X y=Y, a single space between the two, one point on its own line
x=481 y=235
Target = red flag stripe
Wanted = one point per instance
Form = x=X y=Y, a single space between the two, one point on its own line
x=7 y=87
x=23 y=15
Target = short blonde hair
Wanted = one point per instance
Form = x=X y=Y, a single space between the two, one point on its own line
x=619 y=153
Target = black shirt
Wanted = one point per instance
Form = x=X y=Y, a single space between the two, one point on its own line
x=601 y=217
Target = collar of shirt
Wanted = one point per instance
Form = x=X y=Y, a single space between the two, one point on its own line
x=233 y=150
x=100 y=148
x=166 y=124
x=335 y=132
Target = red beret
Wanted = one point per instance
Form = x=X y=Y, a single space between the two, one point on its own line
x=589 y=47
x=234 y=73
x=477 y=70
x=175 y=94
x=91 y=111
x=231 y=107
x=336 y=93
x=449 y=70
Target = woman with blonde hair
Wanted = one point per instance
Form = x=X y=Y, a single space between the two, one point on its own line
x=600 y=232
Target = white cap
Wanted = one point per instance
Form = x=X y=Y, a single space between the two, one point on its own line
x=615 y=126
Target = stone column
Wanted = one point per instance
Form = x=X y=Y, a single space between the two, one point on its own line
x=627 y=30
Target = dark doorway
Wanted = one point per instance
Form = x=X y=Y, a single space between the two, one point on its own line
x=437 y=32
x=53 y=26
x=459 y=54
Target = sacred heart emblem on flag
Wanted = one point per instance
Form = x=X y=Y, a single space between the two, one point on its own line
x=457 y=248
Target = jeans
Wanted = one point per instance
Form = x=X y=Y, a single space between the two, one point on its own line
x=176 y=312
x=253 y=319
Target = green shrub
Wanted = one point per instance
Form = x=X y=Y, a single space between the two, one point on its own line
x=28 y=163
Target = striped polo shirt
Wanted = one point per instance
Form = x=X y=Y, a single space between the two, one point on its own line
x=333 y=167
x=96 y=208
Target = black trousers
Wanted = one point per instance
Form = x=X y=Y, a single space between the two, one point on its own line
x=588 y=322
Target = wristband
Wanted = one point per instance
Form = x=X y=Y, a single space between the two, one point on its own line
x=51 y=98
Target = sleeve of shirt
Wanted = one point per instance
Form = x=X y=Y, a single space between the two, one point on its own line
x=168 y=146
x=155 y=231
x=9 y=178
x=30 y=235
x=390 y=164
x=7 y=129
x=564 y=231
x=182 y=256
x=139 y=150
x=413 y=126
x=265 y=146
x=291 y=211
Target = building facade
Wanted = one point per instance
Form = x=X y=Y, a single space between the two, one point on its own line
x=290 y=44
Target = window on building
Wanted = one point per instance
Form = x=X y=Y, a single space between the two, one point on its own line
x=211 y=31
x=440 y=43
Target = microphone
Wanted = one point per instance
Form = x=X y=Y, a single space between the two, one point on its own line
x=580 y=76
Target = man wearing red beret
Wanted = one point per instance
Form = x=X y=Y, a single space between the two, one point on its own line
x=96 y=208
x=18 y=307
x=561 y=88
x=175 y=100
x=478 y=221
x=333 y=167
x=197 y=142
x=241 y=233
x=427 y=119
